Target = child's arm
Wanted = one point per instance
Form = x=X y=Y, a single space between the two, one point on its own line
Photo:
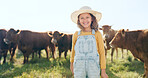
x=103 y=74
x=101 y=50
x=102 y=55
x=71 y=67
x=74 y=38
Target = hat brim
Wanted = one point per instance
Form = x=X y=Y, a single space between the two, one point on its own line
x=74 y=15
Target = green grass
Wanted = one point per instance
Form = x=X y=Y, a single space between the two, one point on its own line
x=59 y=68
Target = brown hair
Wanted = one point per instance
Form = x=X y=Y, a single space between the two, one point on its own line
x=94 y=24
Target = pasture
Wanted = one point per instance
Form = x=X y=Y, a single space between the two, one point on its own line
x=59 y=68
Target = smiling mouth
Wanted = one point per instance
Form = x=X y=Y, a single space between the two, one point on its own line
x=86 y=23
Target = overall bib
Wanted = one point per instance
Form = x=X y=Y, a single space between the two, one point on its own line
x=86 y=60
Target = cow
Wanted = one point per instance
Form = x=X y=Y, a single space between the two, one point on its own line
x=135 y=41
x=62 y=41
x=4 y=48
x=108 y=35
x=29 y=41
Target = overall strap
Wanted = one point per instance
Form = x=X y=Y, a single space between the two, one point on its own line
x=79 y=32
x=93 y=31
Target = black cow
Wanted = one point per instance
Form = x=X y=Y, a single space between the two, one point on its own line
x=4 y=48
x=29 y=41
x=62 y=41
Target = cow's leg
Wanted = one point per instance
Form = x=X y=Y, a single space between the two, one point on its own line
x=27 y=58
x=116 y=53
x=106 y=53
x=52 y=49
x=39 y=53
x=127 y=51
x=60 y=53
x=12 y=54
x=36 y=53
x=122 y=53
x=24 y=59
x=5 y=55
x=32 y=55
x=47 y=52
x=65 y=54
x=0 y=58
x=10 y=50
x=112 y=52
x=145 y=70
x=53 y=52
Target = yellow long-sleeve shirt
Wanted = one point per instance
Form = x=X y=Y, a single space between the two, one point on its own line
x=100 y=46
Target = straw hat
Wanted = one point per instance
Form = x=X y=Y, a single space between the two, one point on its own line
x=85 y=9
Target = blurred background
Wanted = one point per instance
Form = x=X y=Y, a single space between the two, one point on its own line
x=51 y=15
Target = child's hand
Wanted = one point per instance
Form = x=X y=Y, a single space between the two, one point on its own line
x=103 y=74
x=71 y=68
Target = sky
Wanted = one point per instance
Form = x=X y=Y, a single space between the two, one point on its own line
x=55 y=15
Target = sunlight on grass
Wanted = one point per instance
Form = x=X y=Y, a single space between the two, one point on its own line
x=60 y=67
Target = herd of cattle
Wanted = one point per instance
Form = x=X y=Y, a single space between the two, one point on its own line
x=135 y=41
x=29 y=42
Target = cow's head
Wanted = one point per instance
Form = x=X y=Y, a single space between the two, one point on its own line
x=119 y=39
x=106 y=31
x=107 y=35
x=11 y=36
x=56 y=36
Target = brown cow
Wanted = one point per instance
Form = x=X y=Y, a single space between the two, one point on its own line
x=108 y=35
x=62 y=41
x=4 y=48
x=29 y=41
x=136 y=42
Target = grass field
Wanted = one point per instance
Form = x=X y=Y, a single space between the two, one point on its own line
x=59 y=68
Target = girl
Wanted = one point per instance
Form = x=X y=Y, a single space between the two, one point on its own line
x=88 y=54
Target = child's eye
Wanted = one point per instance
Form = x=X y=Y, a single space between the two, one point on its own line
x=82 y=18
x=87 y=17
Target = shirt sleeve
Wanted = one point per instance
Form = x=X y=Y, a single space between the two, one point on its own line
x=101 y=51
x=74 y=39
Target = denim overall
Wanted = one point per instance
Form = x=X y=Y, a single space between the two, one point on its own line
x=86 y=60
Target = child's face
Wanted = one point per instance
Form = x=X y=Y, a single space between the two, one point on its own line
x=85 y=20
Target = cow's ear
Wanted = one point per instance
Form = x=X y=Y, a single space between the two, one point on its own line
x=100 y=28
x=18 y=31
x=62 y=34
x=50 y=34
x=123 y=32
x=127 y=29
x=110 y=27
